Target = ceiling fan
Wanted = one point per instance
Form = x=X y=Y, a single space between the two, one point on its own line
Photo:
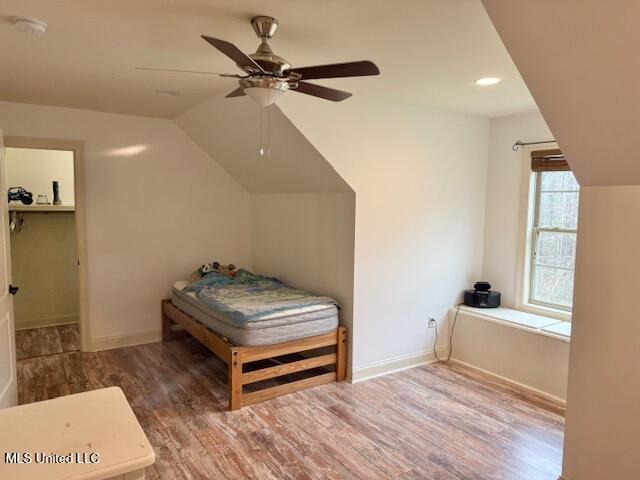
x=268 y=76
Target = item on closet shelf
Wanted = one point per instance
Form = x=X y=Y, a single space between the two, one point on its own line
x=42 y=200
x=56 y=193
x=16 y=221
x=19 y=194
x=482 y=296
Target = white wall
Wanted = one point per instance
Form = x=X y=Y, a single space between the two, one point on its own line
x=228 y=130
x=533 y=360
x=536 y=361
x=35 y=170
x=601 y=439
x=306 y=240
x=157 y=206
x=419 y=176
x=504 y=183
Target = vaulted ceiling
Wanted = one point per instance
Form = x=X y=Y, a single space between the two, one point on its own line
x=293 y=164
x=579 y=61
x=430 y=51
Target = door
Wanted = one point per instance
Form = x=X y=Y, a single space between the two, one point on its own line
x=8 y=384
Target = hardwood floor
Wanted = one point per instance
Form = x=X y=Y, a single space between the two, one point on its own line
x=36 y=342
x=434 y=422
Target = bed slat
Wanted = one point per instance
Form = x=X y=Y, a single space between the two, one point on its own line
x=237 y=356
x=215 y=343
x=252 y=354
x=268 y=393
x=287 y=368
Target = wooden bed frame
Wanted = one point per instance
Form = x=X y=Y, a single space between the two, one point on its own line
x=236 y=357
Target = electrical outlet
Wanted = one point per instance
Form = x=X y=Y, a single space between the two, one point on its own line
x=432 y=322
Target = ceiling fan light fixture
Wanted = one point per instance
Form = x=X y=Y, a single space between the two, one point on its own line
x=264 y=96
x=264 y=90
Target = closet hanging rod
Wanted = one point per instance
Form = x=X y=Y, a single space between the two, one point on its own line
x=520 y=143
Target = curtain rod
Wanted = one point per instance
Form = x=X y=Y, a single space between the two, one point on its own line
x=520 y=143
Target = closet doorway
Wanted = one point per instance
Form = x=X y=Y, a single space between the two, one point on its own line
x=47 y=224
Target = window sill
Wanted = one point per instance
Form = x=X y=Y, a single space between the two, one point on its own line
x=547 y=312
x=537 y=324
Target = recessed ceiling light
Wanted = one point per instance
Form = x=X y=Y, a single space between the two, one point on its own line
x=488 y=81
x=30 y=26
x=127 y=151
x=168 y=93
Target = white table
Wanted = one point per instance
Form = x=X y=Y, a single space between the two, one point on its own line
x=97 y=431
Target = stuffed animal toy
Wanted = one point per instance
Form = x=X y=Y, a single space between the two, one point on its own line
x=229 y=270
x=200 y=272
x=217 y=267
x=204 y=269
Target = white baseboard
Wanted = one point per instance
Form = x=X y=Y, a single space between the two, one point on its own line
x=395 y=364
x=47 y=322
x=126 y=340
x=523 y=386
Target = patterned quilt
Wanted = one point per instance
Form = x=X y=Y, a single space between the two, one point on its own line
x=250 y=297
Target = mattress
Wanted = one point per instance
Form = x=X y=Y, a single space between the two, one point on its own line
x=283 y=326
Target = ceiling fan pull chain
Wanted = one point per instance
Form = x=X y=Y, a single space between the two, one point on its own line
x=268 y=124
x=260 y=149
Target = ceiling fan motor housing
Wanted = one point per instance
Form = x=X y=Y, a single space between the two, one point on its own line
x=264 y=26
x=271 y=63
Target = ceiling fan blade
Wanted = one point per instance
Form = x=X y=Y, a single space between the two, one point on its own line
x=238 y=92
x=234 y=53
x=321 y=92
x=336 y=70
x=188 y=71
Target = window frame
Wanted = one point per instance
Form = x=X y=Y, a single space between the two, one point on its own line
x=535 y=233
x=530 y=193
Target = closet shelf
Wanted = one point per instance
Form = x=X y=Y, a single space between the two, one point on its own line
x=15 y=207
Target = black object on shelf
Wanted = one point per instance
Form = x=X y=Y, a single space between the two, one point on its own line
x=482 y=296
x=56 y=193
x=19 y=194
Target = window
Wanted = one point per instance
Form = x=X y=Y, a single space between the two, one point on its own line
x=552 y=231
x=554 y=239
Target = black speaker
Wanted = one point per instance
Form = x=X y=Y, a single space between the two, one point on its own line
x=482 y=296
